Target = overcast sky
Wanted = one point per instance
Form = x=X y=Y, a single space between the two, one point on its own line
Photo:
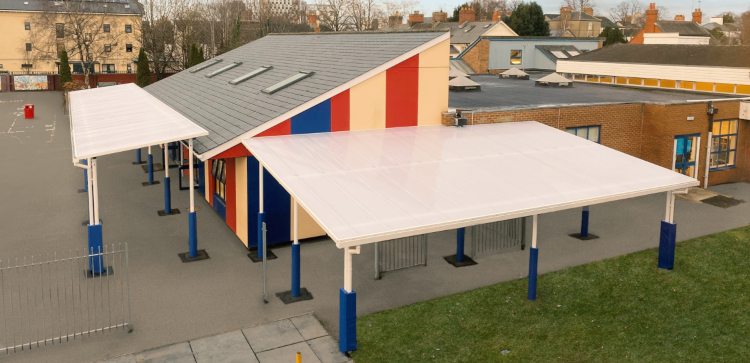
x=602 y=7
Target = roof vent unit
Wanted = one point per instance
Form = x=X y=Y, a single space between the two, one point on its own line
x=205 y=65
x=252 y=74
x=287 y=82
x=463 y=84
x=554 y=80
x=514 y=73
x=223 y=69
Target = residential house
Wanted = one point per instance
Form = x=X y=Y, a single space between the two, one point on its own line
x=576 y=24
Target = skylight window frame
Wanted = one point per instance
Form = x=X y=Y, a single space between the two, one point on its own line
x=208 y=63
x=252 y=74
x=559 y=54
x=223 y=69
x=289 y=81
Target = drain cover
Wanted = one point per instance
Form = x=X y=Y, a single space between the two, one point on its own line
x=722 y=201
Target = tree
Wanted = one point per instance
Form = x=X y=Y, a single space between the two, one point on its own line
x=159 y=35
x=196 y=56
x=363 y=12
x=612 y=36
x=64 y=72
x=143 y=74
x=334 y=15
x=627 y=12
x=745 y=28
x=528 y=19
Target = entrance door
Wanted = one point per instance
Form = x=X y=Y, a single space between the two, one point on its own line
x=686 y=149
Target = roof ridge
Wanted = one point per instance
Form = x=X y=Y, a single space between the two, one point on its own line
x=379 y=32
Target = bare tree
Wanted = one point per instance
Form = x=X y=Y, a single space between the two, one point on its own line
x=626 y=12
x=578 y=5
x=363 y=12
x=159 y=38
x=334 y=15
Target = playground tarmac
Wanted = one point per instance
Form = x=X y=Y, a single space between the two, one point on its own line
x=173 y=302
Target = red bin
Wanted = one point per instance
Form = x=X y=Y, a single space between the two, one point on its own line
x=28 y=111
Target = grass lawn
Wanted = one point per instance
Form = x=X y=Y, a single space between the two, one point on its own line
x=622 y=309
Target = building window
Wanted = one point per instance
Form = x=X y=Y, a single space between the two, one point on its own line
x=28 y=47
x=108 y=68
x=59 y=30
x=107 y=48
x=516 y=57
x=129 y=48
x=591 y=133
x=723 y=144
x=60 y=47
x=128 y=28
x=106 y=28
x=130 y=68
x=220 y=178
x=27 y=25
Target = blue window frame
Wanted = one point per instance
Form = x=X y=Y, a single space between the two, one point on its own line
x=723 y=144
x=591 y=133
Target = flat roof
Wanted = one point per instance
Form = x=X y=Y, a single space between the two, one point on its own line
x=369 y=186
x=108 y=120
x=500 y=93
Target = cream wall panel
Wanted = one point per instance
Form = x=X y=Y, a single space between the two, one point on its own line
x=206 y=183
x=434 y=64
x=688 y=73
x=367 y=104
x=240 y=172
x=308 y=228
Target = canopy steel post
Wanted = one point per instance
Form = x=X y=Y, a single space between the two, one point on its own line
x=668 y=235
x=584 y=233
x=260 y=250
x=697 y=157
x=85 y=188
x=150 y=169
x=96 y=260
x=296 y=293
x=167 y=191
x=138 y=157
x=348 y=306
x=708 y=159
x=460 y=259
x=193 y=254
x=533 y=258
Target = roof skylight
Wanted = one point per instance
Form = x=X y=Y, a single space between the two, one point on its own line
x=223 y=69
x=252 y=74
x=205 y=65
x=559 y=54
x=574 y=53
x=287 y=82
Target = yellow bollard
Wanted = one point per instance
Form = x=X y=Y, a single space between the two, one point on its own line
x=299 y=357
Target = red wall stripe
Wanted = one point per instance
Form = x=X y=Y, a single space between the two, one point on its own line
x=211 y=181
x=402 y=93
x=231 y=195
x=236 y=151
x=284 y=128
x=340 y=112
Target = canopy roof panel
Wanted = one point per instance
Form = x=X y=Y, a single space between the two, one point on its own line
x=112 y=119
x=370 y=186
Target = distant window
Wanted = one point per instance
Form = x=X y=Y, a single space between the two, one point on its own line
x=516 y=57
x=28 y=47
x=59 y=30
x=128 y=28
x=591 y=133
x=130 y=68
x=129 y=48
x=219 y=174
x=27 y=25
x=107 y=48
x=60 y=47
x=723 y=144
x=108 y=68
x=106 y=28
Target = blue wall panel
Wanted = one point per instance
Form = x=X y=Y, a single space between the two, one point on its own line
x=314 y=119
x=220 y=207
x=277 y=207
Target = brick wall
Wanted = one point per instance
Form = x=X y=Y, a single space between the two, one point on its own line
x=643 y=130
x=478 y=57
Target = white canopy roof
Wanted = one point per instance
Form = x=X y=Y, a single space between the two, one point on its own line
x=112 y=119
x=370 y=186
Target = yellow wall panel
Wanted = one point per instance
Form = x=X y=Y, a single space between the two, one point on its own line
x=240 y=172
x=686 y=85
x=724 y=88
x=605 y=79
x=651 y=82
x=635 y=81
x=743 y=89
x=621 y=80
x=704 y=86
x=308 y=228
x=434 y=64
x=367 y=104
x=668 y=83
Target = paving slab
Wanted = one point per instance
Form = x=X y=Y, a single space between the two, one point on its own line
x=288 y=354
x=175 y=353
x=272 y=335
x=229 y=347
x=309 y=326
x=327 y=350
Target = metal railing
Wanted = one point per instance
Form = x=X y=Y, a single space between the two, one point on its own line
x=496 y=237
x=54 y=298
x=400 y=253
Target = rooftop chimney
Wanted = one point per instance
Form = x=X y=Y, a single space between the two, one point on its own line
x=466 y=14
x=588 y=11
x=416 y=18
x=312 y=21
x=439 y=16
x=697 y=16
x=497 y=16
x=565 y=12
x=395 y=20
x=679 y=17
x=652 y=15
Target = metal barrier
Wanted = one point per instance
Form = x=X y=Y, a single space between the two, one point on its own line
x=496 y=237
x=51 y=299
x=400 y=253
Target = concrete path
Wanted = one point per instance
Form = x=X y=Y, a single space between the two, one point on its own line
x=172 y=302
x=277 y=341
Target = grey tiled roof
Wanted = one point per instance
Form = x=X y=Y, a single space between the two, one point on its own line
x=684 y=28
x=671 y=54
x=96 y=6
x=227 y=111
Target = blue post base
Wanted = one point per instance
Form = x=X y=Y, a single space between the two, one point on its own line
x=150 y=169
x=533 y=262
x=193 y=254
x=96 y=261
x=138 y=157
x=295 y=270
x=584 y=235
x=347 y=321
x=168 y=210
x=667 y=239
x=460 y=259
